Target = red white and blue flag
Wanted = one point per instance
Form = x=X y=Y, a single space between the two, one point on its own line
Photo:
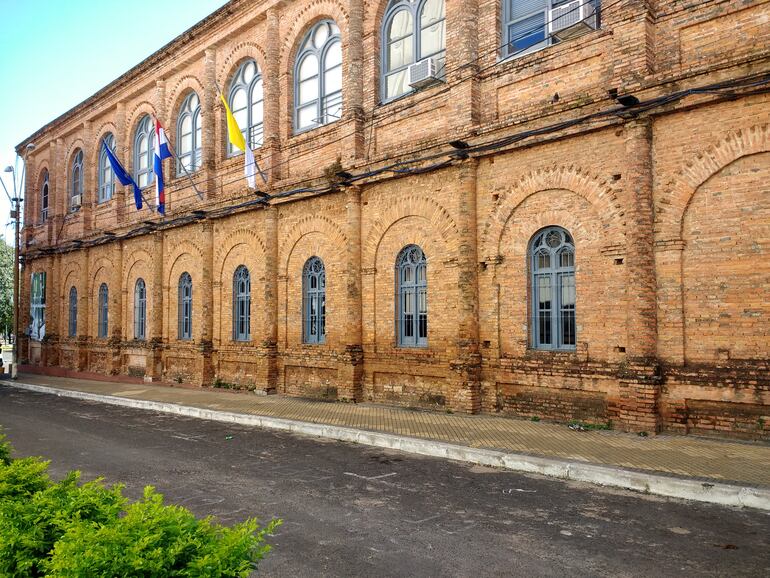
x=161 y=152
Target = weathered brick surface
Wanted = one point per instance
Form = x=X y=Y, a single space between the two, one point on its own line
x=668 y=211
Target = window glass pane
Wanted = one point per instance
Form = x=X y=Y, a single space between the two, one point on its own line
x=306 y=116
x=249 y=70
x=238 y=101
x=432 y=12
x=320 y=35
x=520 y=8
x=256 y=113
x=432 y=39
x=308 y=67
x=567 y=259
x=333 y=80
x=256 y=91
x=400 y=53
x=308 y=90
x=186 y=145
x=397 y=84
x=527 y=33
x=400 y=25
x=333 y=56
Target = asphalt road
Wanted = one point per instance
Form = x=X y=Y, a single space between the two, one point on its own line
x=350 y=510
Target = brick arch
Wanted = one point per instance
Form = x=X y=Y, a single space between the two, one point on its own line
x=242 y=51
x=304 y=20
x=39 y=181
x=237 y=237
x=186 y=84
x=672 y=206
x=134 y=116
x=185 y=248
x=307 y=225
x=599 y=195
x=76 y=144
x=96 y=141
x=411 y=206
x=138 y=256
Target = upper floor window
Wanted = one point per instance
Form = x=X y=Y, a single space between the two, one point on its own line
x=188 y=131
x=106 y=177
x=412 y=295
x=529 y=25
x=103 y=311
x=140 y=309
x=44 y=197
x=37 y=306
x=318 y=77
x=76 y=181
x=314 y=301
x=241 y=304
x=246 y=102
x=144 y=145
x=185 y=306
x=73 y=307
x=412 y=30
x=552 y=255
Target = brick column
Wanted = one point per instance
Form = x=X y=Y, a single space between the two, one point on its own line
x=351 y=372
x=57 y=191
x=270 y=302
x=208 y=101
x=353 y=107
x=155 y=324
x=122 y=151
x=462 y=51
x=206 y=318
x=90 y=180
x=640 y=379
x=271 y=148
x=467 y=366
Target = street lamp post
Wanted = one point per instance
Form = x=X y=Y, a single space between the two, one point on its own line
x=16 y=214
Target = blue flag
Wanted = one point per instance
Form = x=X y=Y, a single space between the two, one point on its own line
x=123 y=176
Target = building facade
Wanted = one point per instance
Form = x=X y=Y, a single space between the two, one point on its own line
x=544 y=217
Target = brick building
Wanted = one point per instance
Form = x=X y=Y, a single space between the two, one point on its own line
x=567 y=219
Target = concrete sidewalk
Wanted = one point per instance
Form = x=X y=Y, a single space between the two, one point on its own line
x=725 y=472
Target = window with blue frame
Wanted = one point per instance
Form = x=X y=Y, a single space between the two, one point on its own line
x=246 y=102
x=185 y=307
x=188 y=135
x=318 y=77
x=552 y=264
x=241 y=304
x=314 y=301
x=73 y=307
x=103 y=311
x=144 y=144
x=140 y=309
x=412 y=296
x=106 y=177
x=76 y=181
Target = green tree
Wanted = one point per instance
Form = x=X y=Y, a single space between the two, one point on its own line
x=6 y=287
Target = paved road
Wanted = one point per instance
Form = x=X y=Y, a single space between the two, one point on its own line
x=350 y=510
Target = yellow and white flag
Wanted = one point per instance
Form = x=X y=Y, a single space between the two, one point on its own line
x=236 y=139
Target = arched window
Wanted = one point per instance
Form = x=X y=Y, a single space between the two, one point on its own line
x=528 y=24
x=552 y=258
x=44 y=197
x=403 y=43
x=314 y=301
x=73 y=307
x=246 y=102
x=106 y=178
x=318 y=77
x=76 y=181
x=103 y=311
x=185 y=306
x=412 y=295
x=140 y=309
x=241 y=304
x=144 y=144
x=188 y=135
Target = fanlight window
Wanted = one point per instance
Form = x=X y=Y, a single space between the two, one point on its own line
x=412 y=31
x=318 y=78
x=241 y=304
x=185 y=306
x=552 y=254
x=140 y=309
x=246 y=103
x=412 y=295
x=73 y=311
x=314 y=301
x=103 y=311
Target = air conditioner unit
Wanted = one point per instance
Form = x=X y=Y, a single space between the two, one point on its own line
x=424 y=73
x=572 y=19
x=76 y=201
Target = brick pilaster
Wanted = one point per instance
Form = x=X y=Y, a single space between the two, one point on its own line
x=351 y=384
x=208 y=101
x=354 y=105
x=122 y=151
x=270 y=303
x=206 y=292
x=271 y=149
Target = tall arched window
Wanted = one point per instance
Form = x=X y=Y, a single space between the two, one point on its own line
x=314 y=301
x=73 y=320
x=403 y=43
x=76 y=181
x=106 y=178
x=246 y=102
x=552 y=258
x=144 y=143
x=412 y=295
x=103 y=311
x=241 y=304
x=140 y=309
x=188 y=135
x=185 y=306
x=318 y=77
x=44 y=197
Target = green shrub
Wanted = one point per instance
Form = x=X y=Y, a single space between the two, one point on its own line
x=73 y=529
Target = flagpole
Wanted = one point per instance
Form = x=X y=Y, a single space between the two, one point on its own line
x=181 y=164
x=256 y=162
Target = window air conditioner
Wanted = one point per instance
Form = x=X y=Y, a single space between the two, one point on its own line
x=77 y=200
x=424 y=73
x=572 y=19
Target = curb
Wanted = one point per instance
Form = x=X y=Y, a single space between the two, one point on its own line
x=656 y=484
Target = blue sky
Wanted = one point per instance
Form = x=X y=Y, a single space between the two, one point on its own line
x=56 y=53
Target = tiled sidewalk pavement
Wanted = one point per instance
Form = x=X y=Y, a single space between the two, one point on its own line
x=746 y=463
